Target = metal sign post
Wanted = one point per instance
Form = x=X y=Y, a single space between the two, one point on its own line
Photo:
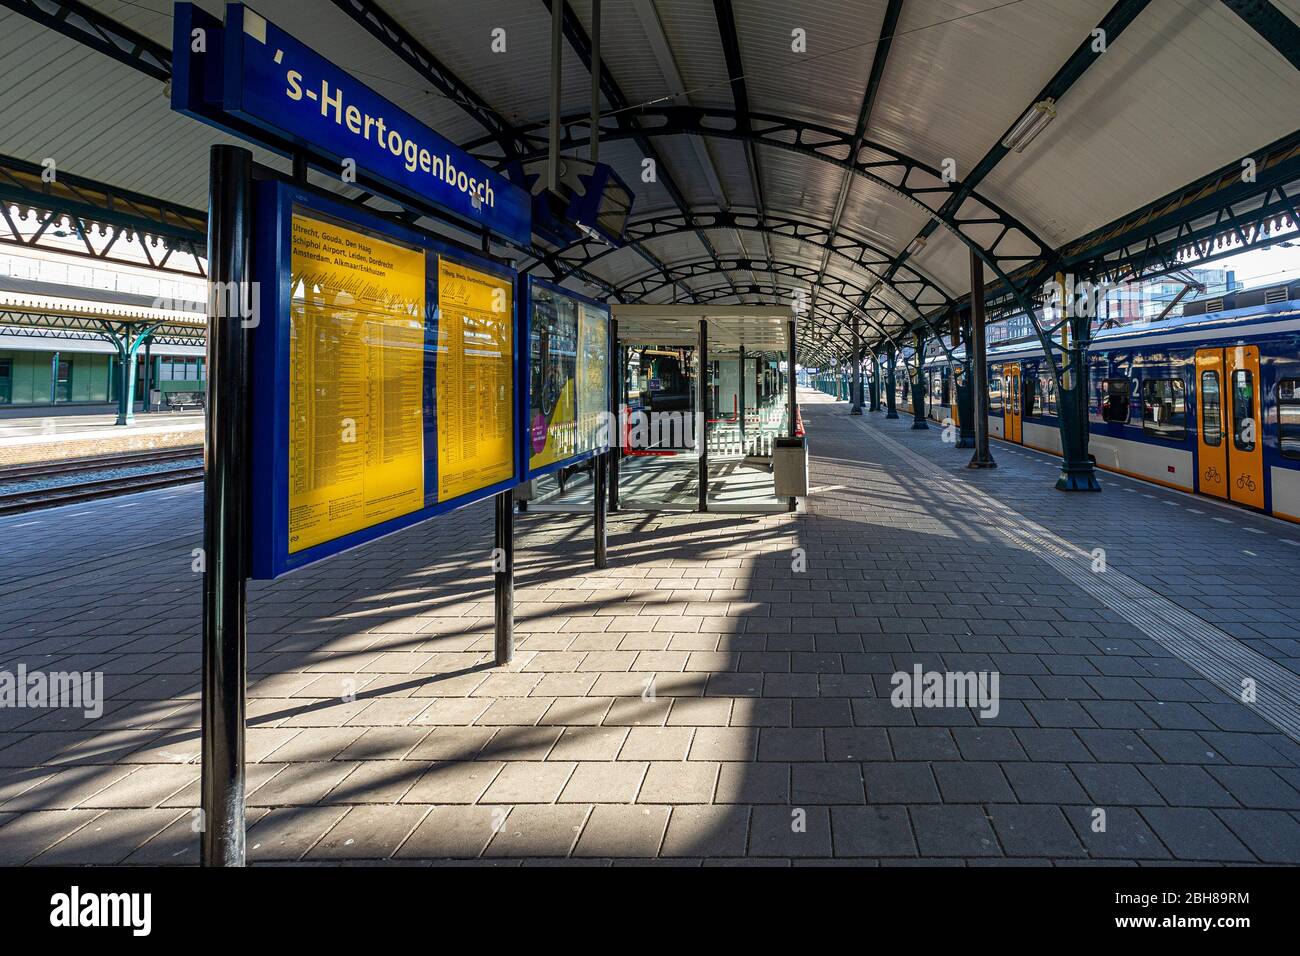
x=504 y=577
x=225 y=512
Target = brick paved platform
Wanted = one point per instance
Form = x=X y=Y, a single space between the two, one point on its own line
x=378 y=730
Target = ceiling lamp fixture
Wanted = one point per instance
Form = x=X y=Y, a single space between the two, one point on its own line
x=1031 y=124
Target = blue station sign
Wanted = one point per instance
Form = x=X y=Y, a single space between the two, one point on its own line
x=271 y=82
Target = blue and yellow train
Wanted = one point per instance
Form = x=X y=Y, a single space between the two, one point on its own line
x=1207 y=402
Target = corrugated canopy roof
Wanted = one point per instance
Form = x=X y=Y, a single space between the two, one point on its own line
x=755 y=109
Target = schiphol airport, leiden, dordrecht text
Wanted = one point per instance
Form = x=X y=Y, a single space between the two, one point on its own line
x=374 y=130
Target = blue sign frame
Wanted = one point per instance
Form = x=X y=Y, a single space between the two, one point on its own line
x=274 y=203
x=526 y=438
x=259 y=82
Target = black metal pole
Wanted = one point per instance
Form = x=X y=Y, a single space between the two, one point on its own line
x=504 y=577
x=147 y=374
x=982 y=458
x=965 y=394
x=602 y=465
x=891 y=383
x=740 y=401
x=225 y=493
x=918 y=383
x=616 y=373
x=702 y=414
x=856 y=397
x=791 y=378
x=791 y=343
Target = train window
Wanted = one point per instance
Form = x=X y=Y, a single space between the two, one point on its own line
x=1049 y=392
x=1243 y=409
x=1164 y=409
x=1211 y=409
x=995 y=395
x=1033 y=396
x=1288 y=417
x=1115 y=400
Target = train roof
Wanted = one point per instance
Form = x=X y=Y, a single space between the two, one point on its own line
x=1273 y=317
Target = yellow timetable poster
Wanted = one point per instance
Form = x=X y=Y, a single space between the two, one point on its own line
x=356 y=438
x=476 y=396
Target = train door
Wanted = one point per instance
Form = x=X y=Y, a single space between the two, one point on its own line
x=1012 y=403
x=1245 y=448
x=1211 y=448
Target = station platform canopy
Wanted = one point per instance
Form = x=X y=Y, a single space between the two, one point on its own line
x=756 y=328
x=859 y=150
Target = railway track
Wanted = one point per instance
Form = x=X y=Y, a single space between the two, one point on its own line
x=77 y=465
x=23 y=500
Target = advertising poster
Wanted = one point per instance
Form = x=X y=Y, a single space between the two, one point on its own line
x=593 y=376
x=356 y=444
x=553 y=355
x=475 y=379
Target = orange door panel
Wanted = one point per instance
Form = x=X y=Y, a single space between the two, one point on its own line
x=1212 y=440
x=1242 y=434
x=1014 y=402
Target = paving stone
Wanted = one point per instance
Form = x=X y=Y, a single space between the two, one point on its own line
x=1034 y=831
x=1272 y=835
x=724 y=743
x=368 y=832
x=455 y=782
x=790 y=744
x=857 y=743
x=972 y=783
x=1257 y=787
x=1044 y=783
x=1125 y=834
x=538 y=831
x=960 y=831
x=679 y=782
x=827 y=783
x=452 y=833
x=656 y=743
x=287 y=833
x=711 y=832
x=790 y=832
x=529 y=781
x=1116 y=785
x=753 y=783
x=624 y=831
x=1186 y=786
x=28 y=835
x=988 y=743
x=1056 y=745
x=1196 y=834
x=923 y=743
x=872 y=831
x=905 y=783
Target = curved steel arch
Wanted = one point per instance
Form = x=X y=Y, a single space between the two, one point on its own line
x=918 y=183
x=917 y=288
x=650 y=282
x=840 y=315
x=840 y=308
x=834 y=147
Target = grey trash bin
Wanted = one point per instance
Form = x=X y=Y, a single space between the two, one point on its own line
x=790 y=467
